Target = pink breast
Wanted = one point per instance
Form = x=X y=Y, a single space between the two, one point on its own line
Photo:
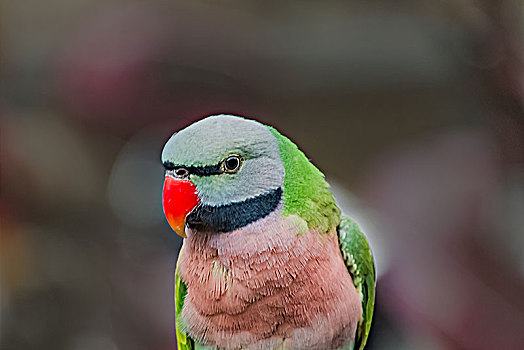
x=268 y=283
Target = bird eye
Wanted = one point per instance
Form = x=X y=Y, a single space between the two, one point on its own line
x=231 y=164
x=181 y=172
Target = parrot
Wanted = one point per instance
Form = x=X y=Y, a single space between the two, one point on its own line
x=267 y=259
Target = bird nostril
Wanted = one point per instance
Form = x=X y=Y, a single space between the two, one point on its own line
x=181 y=172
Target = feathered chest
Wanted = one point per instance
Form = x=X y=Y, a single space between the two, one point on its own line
x=267 y=285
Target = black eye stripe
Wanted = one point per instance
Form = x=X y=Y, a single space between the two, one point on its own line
x=205 y=170
x=229 y=165
x=169 y=165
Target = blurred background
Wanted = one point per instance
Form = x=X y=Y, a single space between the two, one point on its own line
x=413 y=110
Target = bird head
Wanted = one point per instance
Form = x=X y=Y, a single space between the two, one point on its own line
x=222 y=173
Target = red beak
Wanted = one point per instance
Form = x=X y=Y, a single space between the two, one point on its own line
x=179 y=198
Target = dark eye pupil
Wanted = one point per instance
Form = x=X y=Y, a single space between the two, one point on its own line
x=232 y=163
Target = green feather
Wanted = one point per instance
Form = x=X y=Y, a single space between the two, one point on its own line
x=305 y=191
x=358 y=258
x=184 y=342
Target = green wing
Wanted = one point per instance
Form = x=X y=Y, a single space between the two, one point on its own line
x=183 y=341
x=359 y=261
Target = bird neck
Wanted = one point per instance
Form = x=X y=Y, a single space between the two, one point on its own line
x=306 y=193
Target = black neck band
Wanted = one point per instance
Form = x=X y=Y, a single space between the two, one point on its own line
x=229 y=217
